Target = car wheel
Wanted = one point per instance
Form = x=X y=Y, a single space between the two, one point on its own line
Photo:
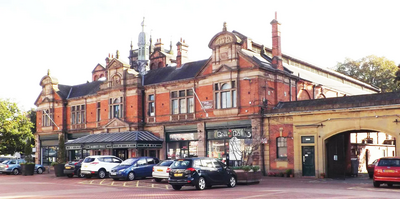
x=201 y=184
x=177 y=187
x=80 y=174
x=15 y=171
x=157 y=179
x=131 y=176
x=390 y=185
x=232 y=182
x=102 y=174
x=39 y=170
x=88 y=176
x=70 y=175
x=377 y=184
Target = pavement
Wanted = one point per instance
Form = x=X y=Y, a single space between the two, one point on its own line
x=47 y=185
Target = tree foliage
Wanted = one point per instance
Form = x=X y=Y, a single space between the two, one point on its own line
x=373 y=70
x=28 y=151
x=15 y=128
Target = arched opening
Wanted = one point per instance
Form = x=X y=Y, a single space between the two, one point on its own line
x=347 y=154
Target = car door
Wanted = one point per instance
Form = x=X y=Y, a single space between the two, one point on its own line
x=108 y=163
x=209 y=171
x=140 y=169
x=220 y=172
x=149 y=166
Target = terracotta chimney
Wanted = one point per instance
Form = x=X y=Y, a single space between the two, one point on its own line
x=276 y=44
x=181 y=55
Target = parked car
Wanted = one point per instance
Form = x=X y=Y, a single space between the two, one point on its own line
x=99 y=165
x=201 y=173
x=387 y=170
x=133 y=168
x=13 y=166
x=370 y=168
x=2 y=158
x=161 y=170
x=73 y=168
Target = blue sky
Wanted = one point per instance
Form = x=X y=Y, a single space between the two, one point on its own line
x=71 y=37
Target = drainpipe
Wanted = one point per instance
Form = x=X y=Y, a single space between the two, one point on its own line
x=313 y=91
x=262 y=145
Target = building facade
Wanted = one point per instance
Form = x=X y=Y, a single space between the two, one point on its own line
x=214 y=107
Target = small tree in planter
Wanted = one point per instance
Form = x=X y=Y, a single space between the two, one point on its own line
x=28 y=168
x=61 y=158
x=289 y=173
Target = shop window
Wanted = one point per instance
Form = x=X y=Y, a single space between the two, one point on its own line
x=116 y=108
x=182 y=102
x=281 y=145
x=78 y=114
x=225 y=95
x=47 y=117
x=151 y=107
x=98 y=112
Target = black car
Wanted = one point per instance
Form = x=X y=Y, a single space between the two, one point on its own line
x=201 y=173
x=73 y=168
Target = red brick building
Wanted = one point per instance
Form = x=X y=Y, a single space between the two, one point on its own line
x=211 y=107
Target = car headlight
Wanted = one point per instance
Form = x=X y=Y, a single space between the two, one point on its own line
x=122 y=170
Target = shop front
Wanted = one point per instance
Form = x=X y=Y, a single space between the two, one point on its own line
x=182 y=141
x=229 y=140
x=78 y=153
x=122 y=144
x=48 y=149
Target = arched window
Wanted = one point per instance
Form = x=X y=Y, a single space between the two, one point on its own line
x=116 y=80
x=281 y=147
x=225 y=95
x=116 y=108
x=96 y=78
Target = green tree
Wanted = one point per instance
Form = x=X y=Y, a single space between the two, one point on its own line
x=376 y=71
x=28 y=151
x=15 y=128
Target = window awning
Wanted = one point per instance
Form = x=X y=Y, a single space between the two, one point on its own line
x=130 y=139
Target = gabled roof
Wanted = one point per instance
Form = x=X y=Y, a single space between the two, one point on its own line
x=166 y=74
x=129 y=136
x=339 y=102
x=68 y=92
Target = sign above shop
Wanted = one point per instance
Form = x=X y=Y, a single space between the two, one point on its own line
x=241 y=133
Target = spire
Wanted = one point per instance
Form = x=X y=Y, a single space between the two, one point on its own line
x=117 y=54
x=131 y=45
x=48 y=72
x=224 y=27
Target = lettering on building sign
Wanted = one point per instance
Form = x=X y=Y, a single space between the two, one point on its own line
x=224 y=39
x=207 y=104
x=73 y=147
x=239 y=133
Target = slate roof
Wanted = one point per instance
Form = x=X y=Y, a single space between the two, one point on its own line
x=339 y=102
x=166 y=74
x=129 y=136
x=68 y=92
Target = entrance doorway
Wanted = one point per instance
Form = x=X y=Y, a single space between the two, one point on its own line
x=308 y=161
x=121 y=153
x=336 y=155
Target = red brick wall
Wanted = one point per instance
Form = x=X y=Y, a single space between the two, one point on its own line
x=163 y=110
x=274 y=132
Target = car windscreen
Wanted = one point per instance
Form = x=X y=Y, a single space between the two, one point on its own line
x=87 y=160
x=181 y=164
x=389 y=162
x=129 y=161
x=165 y=163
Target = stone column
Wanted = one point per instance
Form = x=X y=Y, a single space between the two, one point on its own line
x=202 y=143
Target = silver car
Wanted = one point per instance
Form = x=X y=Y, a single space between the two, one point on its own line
x=161 y=170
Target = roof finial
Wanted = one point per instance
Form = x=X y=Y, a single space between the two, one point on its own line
x=131 y=45
x=117 y=54
x=48 y=72
x=224 y=28
x=143 y=25
x=276 y=15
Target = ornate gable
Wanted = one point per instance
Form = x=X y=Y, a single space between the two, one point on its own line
x=116 y=123
x=98 y=67
x=225 y=47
